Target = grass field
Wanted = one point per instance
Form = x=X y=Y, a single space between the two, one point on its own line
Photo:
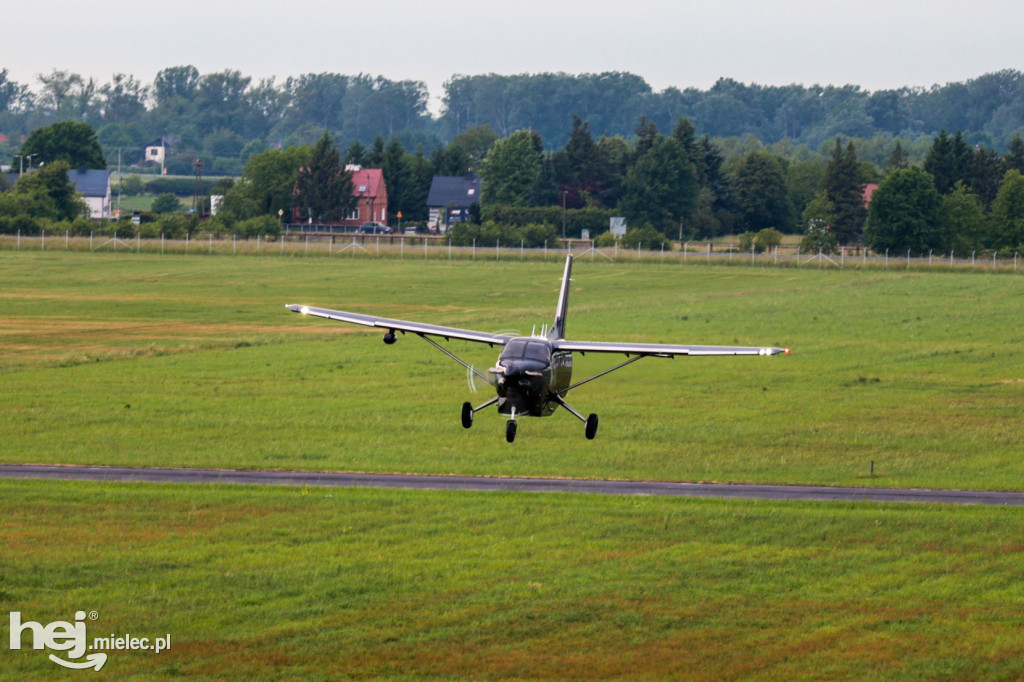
x=288 y=583
x=192 y=360
x=149 y=360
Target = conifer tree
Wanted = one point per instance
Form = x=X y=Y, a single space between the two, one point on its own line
x=324 y=188
x=1014 y=158
x=898 y=159
x=843 y=186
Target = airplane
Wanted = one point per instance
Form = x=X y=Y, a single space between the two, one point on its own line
x=533 y=374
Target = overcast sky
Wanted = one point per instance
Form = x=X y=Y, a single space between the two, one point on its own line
x=876 y=44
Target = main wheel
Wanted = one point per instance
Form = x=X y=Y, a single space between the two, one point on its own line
x=591 y=426
x=467 y=415
x=510 y=430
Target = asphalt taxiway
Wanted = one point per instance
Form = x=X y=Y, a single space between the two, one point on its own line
x=533 y=485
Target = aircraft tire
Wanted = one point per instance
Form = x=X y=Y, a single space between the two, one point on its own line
x=467 y=415
x=510 y=430
x=591 y=426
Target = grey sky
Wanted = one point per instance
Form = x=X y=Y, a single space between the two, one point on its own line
x=874 y=43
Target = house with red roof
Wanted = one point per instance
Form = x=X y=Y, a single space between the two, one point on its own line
x=371 y=196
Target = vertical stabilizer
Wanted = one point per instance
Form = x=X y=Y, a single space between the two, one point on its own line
x=558 y=328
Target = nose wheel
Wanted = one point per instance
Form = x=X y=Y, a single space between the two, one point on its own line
x=510 y=430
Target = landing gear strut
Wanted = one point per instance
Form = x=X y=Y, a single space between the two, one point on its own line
x=468 y=411
x=590 y=421
x=510 y=427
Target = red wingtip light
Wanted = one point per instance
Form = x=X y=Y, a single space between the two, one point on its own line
x=786 y=351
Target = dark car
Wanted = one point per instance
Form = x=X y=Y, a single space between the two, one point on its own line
x=374 y=228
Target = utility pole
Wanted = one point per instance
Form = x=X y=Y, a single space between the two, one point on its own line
x=564 y=192
x=197 y=201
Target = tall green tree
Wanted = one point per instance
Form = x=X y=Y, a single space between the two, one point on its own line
x=967 y=223
x=817 y=220
x=583 y=171
x=844 y=187
x=268 y=183
x=898 y=159
x=52 y=193
x=324 y=188
x=661 y=189
x=124 y=99
x=398 y=178
x=983 y=173
x=906 y=215
x=1014 y=157
x=476 y=143
x=1008 y=212
x=511 y=170
x=761 y=193
x=686 y=134
x=947 y=160
x=73 y=142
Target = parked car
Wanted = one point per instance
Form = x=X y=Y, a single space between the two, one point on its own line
x=374 y=228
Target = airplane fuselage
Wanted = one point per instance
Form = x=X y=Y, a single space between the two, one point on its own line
x=529 y=375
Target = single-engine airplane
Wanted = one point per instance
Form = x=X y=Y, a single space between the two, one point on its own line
x=533 y=373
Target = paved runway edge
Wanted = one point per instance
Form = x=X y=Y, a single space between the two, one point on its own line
x=536 y=485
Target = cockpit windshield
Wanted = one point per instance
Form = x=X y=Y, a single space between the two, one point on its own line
x=527 y=349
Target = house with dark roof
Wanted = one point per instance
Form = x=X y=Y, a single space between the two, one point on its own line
x=450 y=198
x=94 y=186
x=155 y=153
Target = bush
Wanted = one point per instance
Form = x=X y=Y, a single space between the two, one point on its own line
x=767 y=239
x=576 y=220
x=760 y=242
x=263 y=225
x=645 y=237
x=133 y=185
x=184 y=187
x=491 y=233
x=166 y=203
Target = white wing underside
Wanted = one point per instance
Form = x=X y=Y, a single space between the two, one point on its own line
x=655 y=349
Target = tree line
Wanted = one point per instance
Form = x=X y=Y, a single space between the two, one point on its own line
x=224 y=118
x=677 y=184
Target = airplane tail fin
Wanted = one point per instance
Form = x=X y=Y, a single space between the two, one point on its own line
x=558 y=328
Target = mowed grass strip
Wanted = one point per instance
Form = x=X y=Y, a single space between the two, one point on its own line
x=138 y=359
x=291 y=583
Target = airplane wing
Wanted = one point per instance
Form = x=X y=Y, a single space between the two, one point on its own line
x=402 y=325
x=661 y=350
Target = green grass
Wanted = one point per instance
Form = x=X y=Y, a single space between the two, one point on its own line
x=142 y=202
x=166 y=361
x=122 y=358
x=293 y=583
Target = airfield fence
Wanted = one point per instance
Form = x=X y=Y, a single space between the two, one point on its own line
x=432 y=248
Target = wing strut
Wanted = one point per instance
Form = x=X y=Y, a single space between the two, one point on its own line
x=456 y=358
x=598 y=376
